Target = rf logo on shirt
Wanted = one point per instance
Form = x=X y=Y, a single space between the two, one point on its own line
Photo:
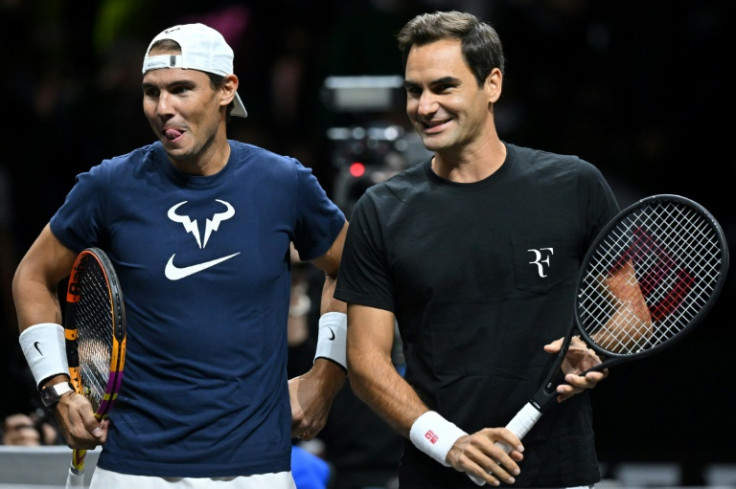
x=541 y=259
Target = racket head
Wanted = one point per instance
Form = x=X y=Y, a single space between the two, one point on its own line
x=666 y=258
x=95 y=331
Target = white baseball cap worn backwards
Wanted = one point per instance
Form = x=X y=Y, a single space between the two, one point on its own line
x=202 y=48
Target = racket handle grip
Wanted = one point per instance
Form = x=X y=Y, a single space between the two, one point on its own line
x=74 y=479
x=520 y=425
x=524 y=421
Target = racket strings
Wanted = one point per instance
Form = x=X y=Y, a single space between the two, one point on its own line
x=93 y=318
x=649 y=278
x=599 y=305
x=702 y=261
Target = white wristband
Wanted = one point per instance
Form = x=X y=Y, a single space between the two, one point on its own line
x=331 y=338
x=44 y=347
x=434 y=435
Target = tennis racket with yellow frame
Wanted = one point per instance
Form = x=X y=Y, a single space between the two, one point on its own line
x=94 y=327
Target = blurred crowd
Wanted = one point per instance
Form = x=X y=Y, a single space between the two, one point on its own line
x=634 y=87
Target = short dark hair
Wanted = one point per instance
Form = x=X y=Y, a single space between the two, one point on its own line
x=480 y=44
x=216 y=81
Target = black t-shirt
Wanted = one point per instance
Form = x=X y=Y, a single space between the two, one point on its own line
x=480 y=277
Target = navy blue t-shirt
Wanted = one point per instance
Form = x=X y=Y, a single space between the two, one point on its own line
x=204 y=266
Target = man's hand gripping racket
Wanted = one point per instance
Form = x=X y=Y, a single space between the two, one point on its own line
x=95 y=338
x=650 y=276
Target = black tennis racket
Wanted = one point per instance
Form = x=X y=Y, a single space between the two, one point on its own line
x=94 y=327
x=650 y=276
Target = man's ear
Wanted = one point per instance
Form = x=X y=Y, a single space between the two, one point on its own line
x=493 y=85
x=228 y=89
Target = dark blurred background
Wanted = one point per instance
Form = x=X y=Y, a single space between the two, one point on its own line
x=639 y=88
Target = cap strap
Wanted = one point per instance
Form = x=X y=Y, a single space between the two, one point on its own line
x=162 y=61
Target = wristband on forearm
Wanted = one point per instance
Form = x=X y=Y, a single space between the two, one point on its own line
x=44 y=347
x=434 y=435
x=331 y=338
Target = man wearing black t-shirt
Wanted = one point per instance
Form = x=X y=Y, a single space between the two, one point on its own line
x=474 y=253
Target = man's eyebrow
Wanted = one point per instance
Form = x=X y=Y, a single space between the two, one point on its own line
x=183 y=82
x=445 y=80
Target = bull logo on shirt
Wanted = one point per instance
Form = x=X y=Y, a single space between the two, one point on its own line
x=192 y=226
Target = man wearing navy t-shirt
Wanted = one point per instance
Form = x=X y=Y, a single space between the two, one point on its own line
x=198 y=228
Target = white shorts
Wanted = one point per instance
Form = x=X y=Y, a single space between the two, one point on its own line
x=105 y=479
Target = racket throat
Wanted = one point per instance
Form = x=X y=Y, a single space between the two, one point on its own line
x=547 y=396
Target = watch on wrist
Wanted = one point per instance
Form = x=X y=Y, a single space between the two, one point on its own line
x=50 y=395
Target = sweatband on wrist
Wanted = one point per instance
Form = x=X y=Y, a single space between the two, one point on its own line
x=434 y=435
x=331 y=338
x=44 y=347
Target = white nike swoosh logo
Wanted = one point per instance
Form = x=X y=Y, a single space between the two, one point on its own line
x=173 y=272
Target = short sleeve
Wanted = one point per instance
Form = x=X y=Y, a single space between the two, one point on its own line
x=364 y=277
x=319 y=220
x=78 y=222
